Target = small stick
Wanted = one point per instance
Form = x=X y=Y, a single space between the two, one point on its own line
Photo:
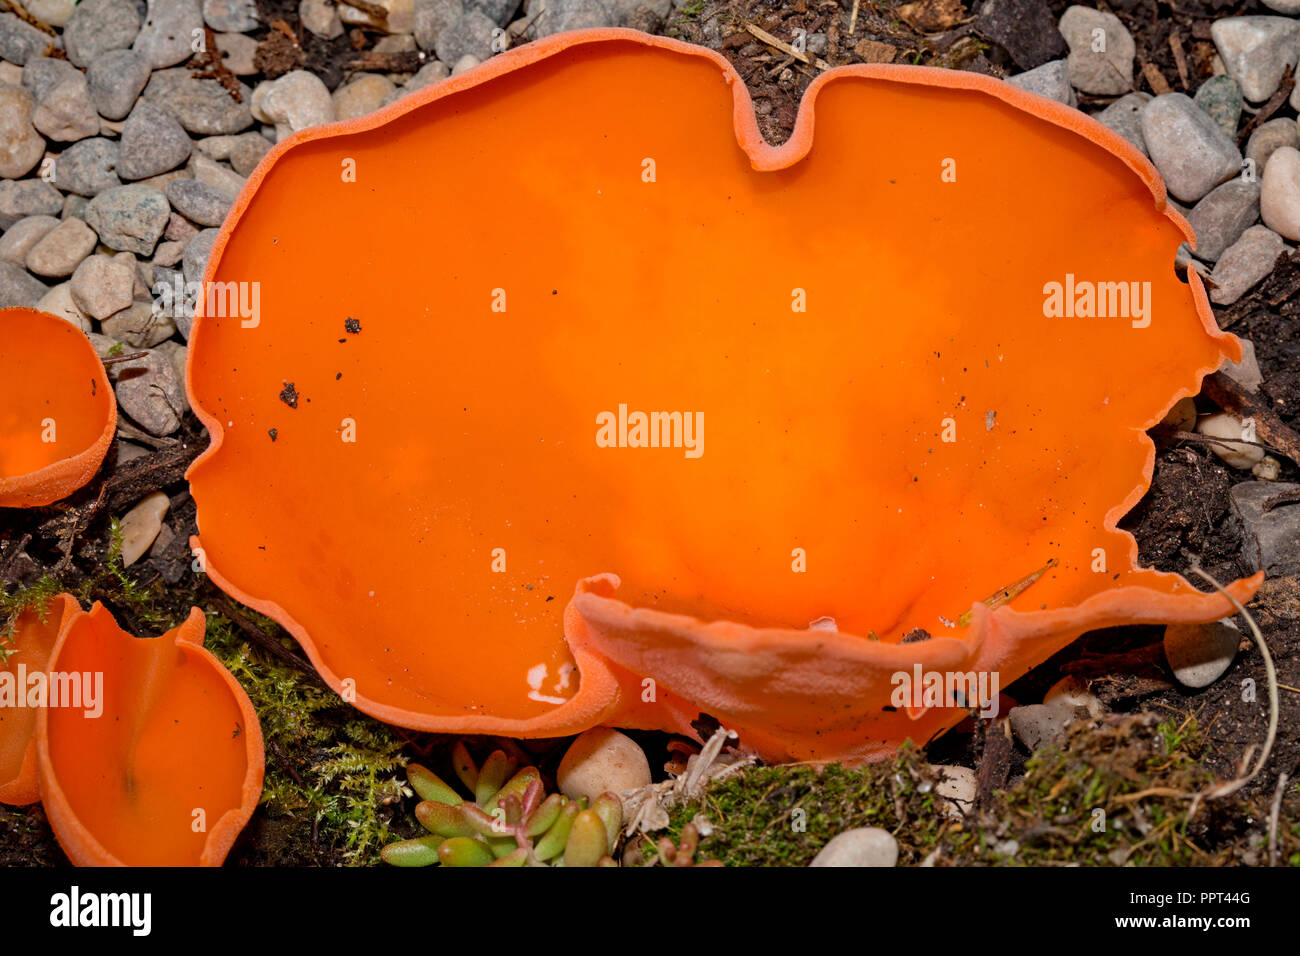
x=786 y=48
x=1180 y=59
x=853 y=17
x=1272 y=819
x=1231 y=397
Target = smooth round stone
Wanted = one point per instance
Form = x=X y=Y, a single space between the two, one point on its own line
x=466 y=62
x=431 y=18
x=202 y=106
x=1124 y=116
x=1270 y=137
x=88 y=168
x=233 y=16
x=65 y=113
x=471 y=33
x=27 y=197
x=601 y=760
x=97 y=26
x=102 y=285
x=129 y=218
x=237 y=52
x=1107 y=71
x=956 y=788
x=61 y=250
x=149 y=392
x=140 y=526
x=1223 y=215
x=20 y=41
x=1220 y=96
x=1036 y=725
x=198 y=202
x=400 y=18
x=248 y=152
x=365 y=94
x=1051 y=80
x=1187 y=146
x=1279 y=201
x=153 y=142
x=1199 y=654
x=863 y=846
x=44 y=73
x=295 y=101
x=116 y=80
x=431 y=72
x=168 y=32
x=1257 y=51
x=1289 y=7
x=1245 y=373
x=217 y=175
x=22 y=235
x=320 y=17
x=58 y=301
x=21 y=147
x=54 y=13
x=176 y=353
x=1071 y=692
x=1233 y=434
x=1246 y=262
x=18 y=286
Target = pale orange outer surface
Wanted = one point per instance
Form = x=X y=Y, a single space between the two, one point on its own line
x=34 y=640
x=594 y=220
x=177 y=735
x=52 y=385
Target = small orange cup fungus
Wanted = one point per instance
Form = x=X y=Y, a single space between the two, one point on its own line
x=159 y=762
x=57 y=410
x=825 y=395
x=23 y=693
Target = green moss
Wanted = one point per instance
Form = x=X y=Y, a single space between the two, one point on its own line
x=1113 y=793
x=36 y=597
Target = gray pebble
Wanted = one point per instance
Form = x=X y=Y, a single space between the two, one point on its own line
x=1220 y=96
x=176 y=353
x=234 y=16
x=74 y=207
x=149 y=393
x=431 y=72
x=1223 y=215
x=88 y=168
x=20 y=41
x=44 y=73
x=1256 y=51
x=432 y=17
x=1187 y=146
x=196 y=255
x=1198 y=654
x=64 y=113
x=862 y=846
x=58 y=302
x=1270 y=539
x=98 y=26
x=198 y=202
x=1105 y=72
x=1051 y=80
x=130 y=218
x=1124 y=116
x=1270 y=137
x=1245 y=373
x=217 y=175
x=153 y=142
x=469 y=34
x=18 y=286
x=116 y=80
x=203 y=106
x=27 y=197
x=499 y=12
x=168 y=32
x=237 y=53
x=1246 y=262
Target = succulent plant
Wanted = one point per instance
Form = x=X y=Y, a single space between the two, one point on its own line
x=664 y=852
x=508 y=821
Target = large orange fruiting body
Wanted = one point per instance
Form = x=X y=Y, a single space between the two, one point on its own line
x=594 y=221
x=170 y=771
x=35 y=634
x=57 y=411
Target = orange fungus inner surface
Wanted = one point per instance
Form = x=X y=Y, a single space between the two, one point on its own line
x=576 y=317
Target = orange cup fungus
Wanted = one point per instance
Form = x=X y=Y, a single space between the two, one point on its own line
x=57 y=410
x=772 y=411
x=160 y=761
x=23 y=693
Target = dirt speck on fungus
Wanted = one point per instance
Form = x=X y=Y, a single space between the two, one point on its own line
x=289 y=395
